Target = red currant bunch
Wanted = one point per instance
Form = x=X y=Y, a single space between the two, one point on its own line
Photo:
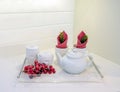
x=38 y=68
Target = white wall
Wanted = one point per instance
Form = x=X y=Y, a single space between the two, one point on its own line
x=101 y=21
x=25 y=22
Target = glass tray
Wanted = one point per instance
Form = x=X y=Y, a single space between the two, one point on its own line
x=88 y=75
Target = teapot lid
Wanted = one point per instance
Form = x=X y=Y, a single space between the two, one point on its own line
x=74 y=54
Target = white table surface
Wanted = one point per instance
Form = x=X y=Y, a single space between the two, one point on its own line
x=10 y=66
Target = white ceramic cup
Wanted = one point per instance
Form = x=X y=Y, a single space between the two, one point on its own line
x=31 y=53
x=61 y=51
x=45 y=57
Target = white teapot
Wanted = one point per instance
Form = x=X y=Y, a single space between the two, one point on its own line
x=74 y=62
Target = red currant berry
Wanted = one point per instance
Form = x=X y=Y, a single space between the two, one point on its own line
x=26 y=68
x=50 y=66
x=36 y=62
x=54 y=71
x=30 y=76
x=49 y=72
